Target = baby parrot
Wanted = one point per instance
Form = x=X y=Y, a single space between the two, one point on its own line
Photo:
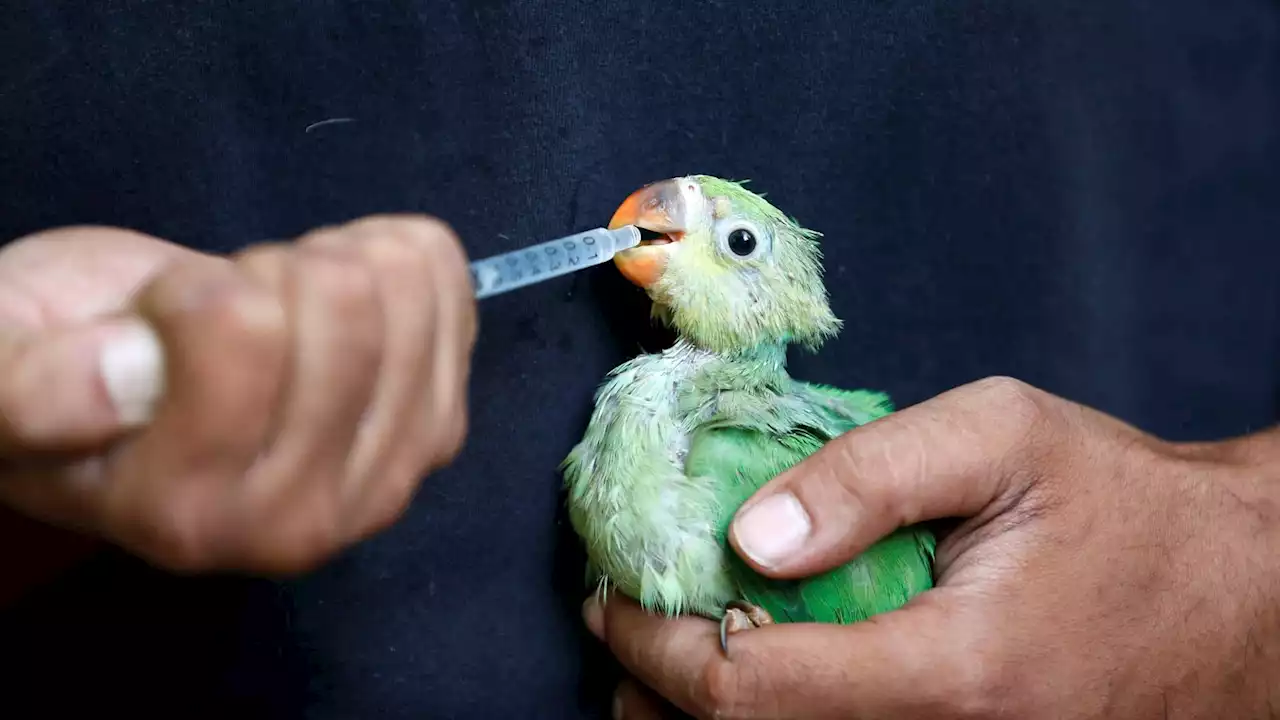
x=678 y=440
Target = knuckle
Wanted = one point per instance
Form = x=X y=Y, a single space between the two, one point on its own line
x=967 y=690
x=905 y=470
x=423 y=233
x=395 y=488
x=287 y=560
x=979 y=682
x=335 y=274
x=469 y=323
x=439 y=454
x=243 y=309
x=265 y=264
x=172 y=532
x=1025 y=404
x=323 y=236
x=21 y=422
x=394 y=252
x=455 y=438
x=450 y=423
x=294 y=560
x=436 y=235
x=417 y=241
x=260 y=255
x=1002 y=389
x=396 y=503
x=442 y=246
x=300 y=544
x=861 y=475
x=723 y=693
x=845 y=487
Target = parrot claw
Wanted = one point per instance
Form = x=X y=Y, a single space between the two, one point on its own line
x=739 y=616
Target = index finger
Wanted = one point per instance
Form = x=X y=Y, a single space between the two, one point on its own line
x=225 y=347
x=906 y=663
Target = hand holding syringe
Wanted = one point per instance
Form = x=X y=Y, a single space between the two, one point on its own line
x=533 y=264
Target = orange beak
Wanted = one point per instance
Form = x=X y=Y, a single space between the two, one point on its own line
x=660 y=209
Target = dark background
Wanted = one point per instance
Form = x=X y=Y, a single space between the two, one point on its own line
x=1086 y=198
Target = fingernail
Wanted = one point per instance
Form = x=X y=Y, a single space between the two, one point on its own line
x=593 y=615
x=773 y=529
x=617 y=707
x=132 y=367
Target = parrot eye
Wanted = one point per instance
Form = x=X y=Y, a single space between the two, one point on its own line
x=742 y=242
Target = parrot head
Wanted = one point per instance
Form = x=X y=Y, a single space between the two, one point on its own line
x=724 y=268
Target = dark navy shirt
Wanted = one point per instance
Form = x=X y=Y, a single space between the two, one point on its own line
x=1082 y=195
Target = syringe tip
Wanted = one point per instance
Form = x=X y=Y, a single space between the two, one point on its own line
x=627 y=236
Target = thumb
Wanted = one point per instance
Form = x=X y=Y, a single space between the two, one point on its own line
x=76 y=386
x=951 y=456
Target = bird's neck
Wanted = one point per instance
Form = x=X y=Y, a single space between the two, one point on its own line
x=764 y=364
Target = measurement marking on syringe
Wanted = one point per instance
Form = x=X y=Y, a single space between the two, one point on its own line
x=526 y=266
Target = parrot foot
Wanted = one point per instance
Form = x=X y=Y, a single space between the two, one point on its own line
x=739 y=616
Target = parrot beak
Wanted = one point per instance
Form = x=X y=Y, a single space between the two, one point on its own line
x=659 y=209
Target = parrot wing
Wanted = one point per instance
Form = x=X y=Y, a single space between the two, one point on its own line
x=744 y=455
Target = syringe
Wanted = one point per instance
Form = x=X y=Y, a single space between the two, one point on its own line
x=533 y=264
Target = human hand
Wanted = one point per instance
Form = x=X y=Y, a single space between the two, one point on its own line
x=254 y=413
x=1100 y=573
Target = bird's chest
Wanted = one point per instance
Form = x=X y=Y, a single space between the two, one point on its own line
x=650 y=529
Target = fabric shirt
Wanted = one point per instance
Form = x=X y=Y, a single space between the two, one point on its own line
x=1082 y=195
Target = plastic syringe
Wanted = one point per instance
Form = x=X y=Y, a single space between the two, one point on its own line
x=535 y=263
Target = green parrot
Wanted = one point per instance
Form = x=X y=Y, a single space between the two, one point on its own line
x=678 y=440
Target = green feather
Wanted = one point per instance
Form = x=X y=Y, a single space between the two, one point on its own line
x=882 y=578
